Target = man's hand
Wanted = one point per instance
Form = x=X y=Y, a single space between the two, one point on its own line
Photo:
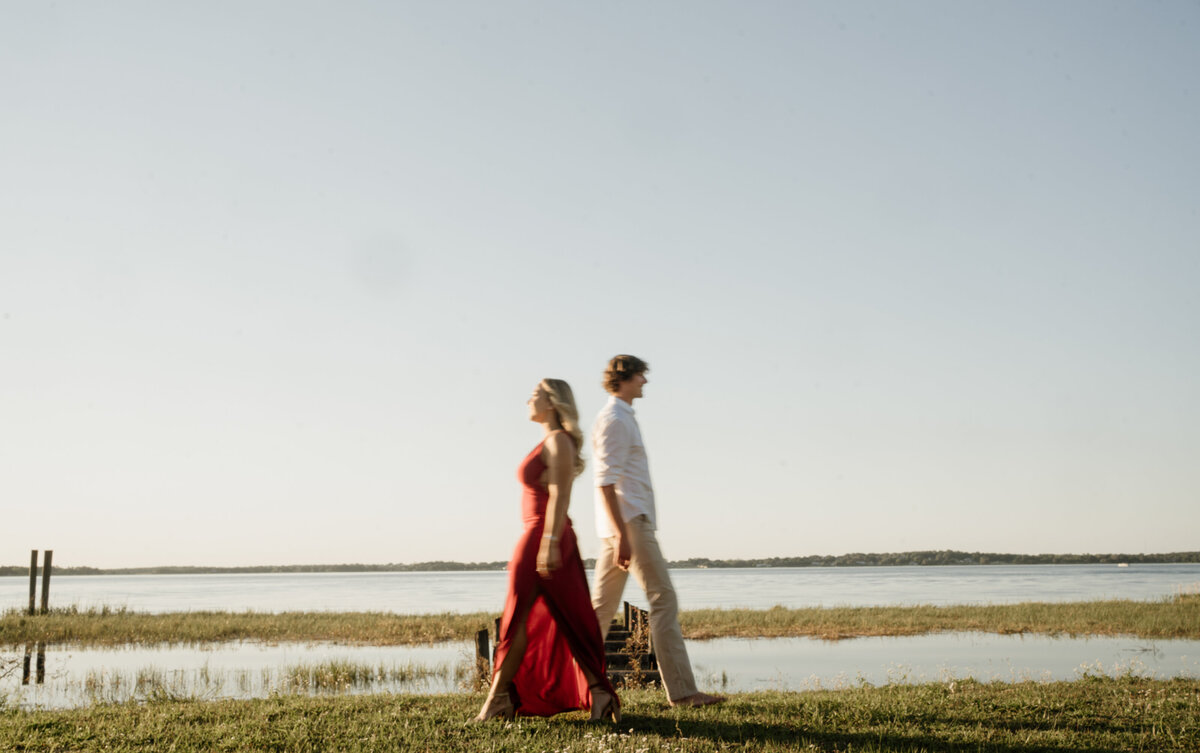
x=622 y=554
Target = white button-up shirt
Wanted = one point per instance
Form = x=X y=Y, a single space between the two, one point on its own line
x=620 y=460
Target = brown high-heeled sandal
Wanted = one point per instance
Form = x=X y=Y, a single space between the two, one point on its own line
x=604 y=704
x=497 y=706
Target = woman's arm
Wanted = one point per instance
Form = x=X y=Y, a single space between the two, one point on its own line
x=560 y=461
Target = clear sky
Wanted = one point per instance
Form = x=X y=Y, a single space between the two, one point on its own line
x=276 y=278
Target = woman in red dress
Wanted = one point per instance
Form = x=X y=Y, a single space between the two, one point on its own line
x=550 y=656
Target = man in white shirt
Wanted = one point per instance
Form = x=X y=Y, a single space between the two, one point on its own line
x=625 y=521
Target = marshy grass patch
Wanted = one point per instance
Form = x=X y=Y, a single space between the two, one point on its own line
x=1176 y=616
x=341 y=676
x=99 y=626
x=151 y=683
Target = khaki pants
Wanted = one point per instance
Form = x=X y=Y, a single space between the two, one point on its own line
x=650 y=569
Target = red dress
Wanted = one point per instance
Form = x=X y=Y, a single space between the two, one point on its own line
x=561 y=624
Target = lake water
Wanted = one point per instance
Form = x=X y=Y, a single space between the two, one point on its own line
x=807 y=663
x=75 y=676
x=759 y=588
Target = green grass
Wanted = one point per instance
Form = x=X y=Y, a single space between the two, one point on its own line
x=1093 y=714
x=1174 y=617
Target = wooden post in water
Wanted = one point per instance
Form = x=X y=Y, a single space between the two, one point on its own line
x=481 y=644
x=25 y=670
x=482 y=657
x=41 y=663
x=32 y=579
x=49 y=557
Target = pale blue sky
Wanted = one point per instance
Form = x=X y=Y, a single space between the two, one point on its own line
x=277 y=278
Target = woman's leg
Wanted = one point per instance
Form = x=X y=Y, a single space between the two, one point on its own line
x=588 y=674
x=516 y=652
x=498 y=702
x=604 y=703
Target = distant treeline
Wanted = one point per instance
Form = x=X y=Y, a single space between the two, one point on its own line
x=856 y=559
x=436 y=566
x=943 y=557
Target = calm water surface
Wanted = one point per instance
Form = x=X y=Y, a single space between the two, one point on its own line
x=805 y=663
x=759 y=588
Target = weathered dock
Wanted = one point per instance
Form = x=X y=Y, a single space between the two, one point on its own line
x=628 y=650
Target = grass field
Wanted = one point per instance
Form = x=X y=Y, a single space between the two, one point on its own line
x=1174 y=617
x=1093 y=714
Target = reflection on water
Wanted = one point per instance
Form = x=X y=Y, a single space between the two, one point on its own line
x=41 y=662
x=74 y=676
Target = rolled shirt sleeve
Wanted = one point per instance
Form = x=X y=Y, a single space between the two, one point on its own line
x=620 y=460
x=611 y=446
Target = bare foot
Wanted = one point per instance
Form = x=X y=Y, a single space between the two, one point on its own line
x=699 y=699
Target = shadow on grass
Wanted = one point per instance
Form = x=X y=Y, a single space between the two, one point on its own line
x=772 y=736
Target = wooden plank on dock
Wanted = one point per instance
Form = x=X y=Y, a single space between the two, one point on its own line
x=628 y=652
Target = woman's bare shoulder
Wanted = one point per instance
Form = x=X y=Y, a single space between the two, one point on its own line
x=560 y=441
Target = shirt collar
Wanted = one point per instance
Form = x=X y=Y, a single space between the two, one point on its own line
x=621 y=404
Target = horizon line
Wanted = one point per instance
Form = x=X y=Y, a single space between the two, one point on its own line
x=1181 y=557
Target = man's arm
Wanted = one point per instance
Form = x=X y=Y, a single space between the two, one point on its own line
x=623 y=552
x=612 y=442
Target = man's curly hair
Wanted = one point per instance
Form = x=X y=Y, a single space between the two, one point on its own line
x=622 y=369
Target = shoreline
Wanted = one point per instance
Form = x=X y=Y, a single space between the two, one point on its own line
x=931 y=558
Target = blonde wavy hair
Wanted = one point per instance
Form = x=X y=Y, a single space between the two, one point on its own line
x=563 y=401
